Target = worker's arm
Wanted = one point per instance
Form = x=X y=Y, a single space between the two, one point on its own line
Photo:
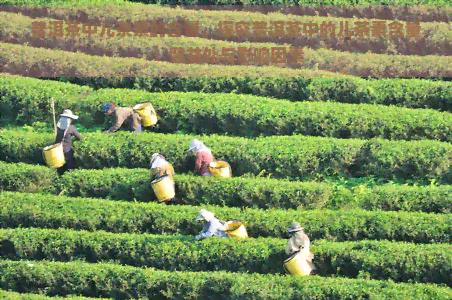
x=119 y=120
x=207 y=231
x=76 y=133
x=198 y=163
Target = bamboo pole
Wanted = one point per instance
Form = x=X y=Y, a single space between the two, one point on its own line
x=54 y=118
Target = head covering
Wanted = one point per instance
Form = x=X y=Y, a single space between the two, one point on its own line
x=157 y=160
x=196 y=145
x=294 y=227
x=205 y=215
x=107 y=106
x=68 y=113
x=65 y=119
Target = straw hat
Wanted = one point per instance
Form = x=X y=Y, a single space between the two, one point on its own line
x=294 y=227
x=194 y=144
x=154 y=157
x=68 y=114
x=205 y=215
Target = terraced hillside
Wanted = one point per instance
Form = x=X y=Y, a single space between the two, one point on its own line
x=376 y=209
x=363 y=163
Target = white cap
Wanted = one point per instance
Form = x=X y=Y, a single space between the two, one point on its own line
x=205 y=215
x=195 y=144
x=68 y=114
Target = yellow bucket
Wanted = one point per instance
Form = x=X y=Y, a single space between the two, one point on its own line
x=54 y=155
x=235 y=229
x=220 y=169
x=163 y=188
x=297 y=264
x=147 y=114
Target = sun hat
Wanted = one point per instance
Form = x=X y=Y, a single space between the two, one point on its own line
x=294 y=227
x=68 y=114
x=205 y=215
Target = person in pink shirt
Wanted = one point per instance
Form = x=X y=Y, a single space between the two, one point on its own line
x=203 y=157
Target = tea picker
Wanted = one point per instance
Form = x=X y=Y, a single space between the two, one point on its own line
x=205 y=164
x=60 y=155
x=299 y=262
x=215 y=227
x=162 y=181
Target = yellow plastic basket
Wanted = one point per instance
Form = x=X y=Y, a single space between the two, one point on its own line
x=298 y=265
x=54 y=155
x=220 y=169
x=147 y=114
x=235 y=229
x=163 y=188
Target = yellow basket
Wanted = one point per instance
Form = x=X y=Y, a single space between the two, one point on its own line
x=235 y=229
x=163 y=188
x=147 y=114
x=54 y=155
x=220 y=169
x=297 y=264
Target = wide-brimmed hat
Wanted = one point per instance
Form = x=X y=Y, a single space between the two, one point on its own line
x=294 y=227
x=204 y=214
x=68 y=114
x=155 y=156
x=195 y=144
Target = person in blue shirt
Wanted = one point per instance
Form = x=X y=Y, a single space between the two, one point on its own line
x=212 y=227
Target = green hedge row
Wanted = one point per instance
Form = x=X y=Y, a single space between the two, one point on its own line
x=47 y=211
x=26 y=100
x=124 y=282
x=401 y=262
x=134 y=185
x=20 y=296
x=412 y=93
x=279 y=156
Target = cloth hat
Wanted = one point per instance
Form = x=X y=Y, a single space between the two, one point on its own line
x=195 y=145
x=154 y=157
x=205 y=215
x=294 y=227
x=68 y=114
x=106 y=107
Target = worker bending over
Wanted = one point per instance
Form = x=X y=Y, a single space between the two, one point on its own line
x=65 y=132
x=160 y=167
x=298 y=241
x=203 y=157
x=123 y=116
x=212 y=227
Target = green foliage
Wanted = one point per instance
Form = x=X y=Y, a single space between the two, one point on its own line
x=45 y=211
x=239 y=115
x=21 y=296
x=292 y=157
x=401 y=262
x=413 y=93
x=124 y=282
x=258 y=192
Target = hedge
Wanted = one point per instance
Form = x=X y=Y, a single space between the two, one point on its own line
x=46 y=211
x=19 y=296
x=134 y=185
x=412 y=93
x=278 y=156
x=239 y=115
x=380 y=260
x=431 y=40
x=42 y=62
x=123 y=282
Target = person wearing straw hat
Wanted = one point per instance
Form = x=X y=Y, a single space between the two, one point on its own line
x=123 y=116
x=160 y=167
x=65 y=132
x=203 y=157
x=212 y=227
x=298 y=241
